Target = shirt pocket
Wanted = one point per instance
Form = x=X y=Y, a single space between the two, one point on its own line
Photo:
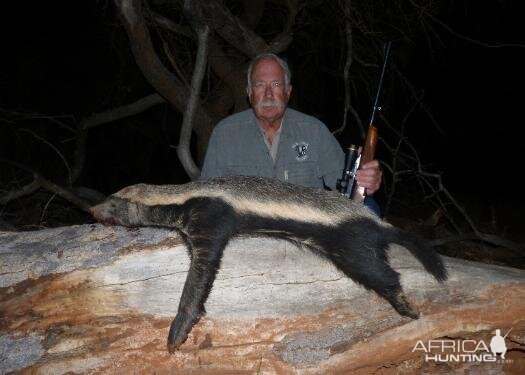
x=305 y=173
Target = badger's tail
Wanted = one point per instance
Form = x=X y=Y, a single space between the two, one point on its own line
x=420 y=248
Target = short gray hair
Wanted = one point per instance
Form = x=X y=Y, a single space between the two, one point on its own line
x=278 y=60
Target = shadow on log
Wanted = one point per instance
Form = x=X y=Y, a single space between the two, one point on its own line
x=95 y=299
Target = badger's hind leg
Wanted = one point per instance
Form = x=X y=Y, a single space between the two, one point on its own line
x=209 y=224
x=360 y=253
x=375 y=274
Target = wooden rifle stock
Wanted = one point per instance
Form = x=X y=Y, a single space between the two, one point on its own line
x=367 y=154
x=369 y=148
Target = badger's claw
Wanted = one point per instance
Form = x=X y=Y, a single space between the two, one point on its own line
x=404 y=307
x=179 y=330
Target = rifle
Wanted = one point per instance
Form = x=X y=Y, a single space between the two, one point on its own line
x=354 y=158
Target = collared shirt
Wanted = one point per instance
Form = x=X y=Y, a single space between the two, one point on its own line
x=307 y=153
x=274 y=146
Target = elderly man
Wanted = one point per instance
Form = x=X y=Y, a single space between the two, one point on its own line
x=272 y=140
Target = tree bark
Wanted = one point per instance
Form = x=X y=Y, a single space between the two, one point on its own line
x=95 y=299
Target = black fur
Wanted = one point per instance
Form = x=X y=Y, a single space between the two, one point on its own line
x=357 y=246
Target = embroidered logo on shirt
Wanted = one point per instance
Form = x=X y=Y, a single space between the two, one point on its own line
x=300 y=148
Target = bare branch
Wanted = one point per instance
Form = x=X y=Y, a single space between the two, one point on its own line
x=105 y=117
x=346 y=70
x=45 y=208
x=183 y=149
x=165 y=83
x=57 y=151
x=232 y=29
x=168 y=24
x=231 y=70
x=121 y=112
x=40 y=182
x=252 y=12
x=64 y=193
x=83 y=127
x=285 y=38
x=9 y=116
x=466 y=38
x=27 y=189
x=488 y=238
x=440 y=194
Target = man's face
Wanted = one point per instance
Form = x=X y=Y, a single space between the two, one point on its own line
x=268 y=95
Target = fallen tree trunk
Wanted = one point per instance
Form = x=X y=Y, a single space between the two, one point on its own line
x=95 y=299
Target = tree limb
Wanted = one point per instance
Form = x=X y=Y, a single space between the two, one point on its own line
x=485 y=237
x=118 y=113
x=434 y=183
x=346 y=70
x=27 y=189
x=165 y=83
x=105 y=117
x=231 y=70
x=281 y=42
x=252 y=11
x=183 y=149
x=168 y=24
x=232 y=29
x=40 y=182
x=75 y=170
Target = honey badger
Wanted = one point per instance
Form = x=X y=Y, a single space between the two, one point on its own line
x=209 y=213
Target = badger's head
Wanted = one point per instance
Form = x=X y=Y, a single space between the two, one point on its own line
x=116 y=211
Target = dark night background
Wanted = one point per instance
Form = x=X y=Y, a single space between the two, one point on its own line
x=71 y=59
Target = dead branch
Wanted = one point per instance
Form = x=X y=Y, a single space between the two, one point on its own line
x=252 y=11
x=83 y=127
x=13 y=194
x=183 y=150
x=40 y=182
x=12 y=116
x=56 y=150
x=485 y=237
x=281 y=42
x=346 y=70
x=231 y=71
x=232 y=29
x=165 y=83
x=439 y=194
x=430 y=16
x=121 y=112
x=168 y=24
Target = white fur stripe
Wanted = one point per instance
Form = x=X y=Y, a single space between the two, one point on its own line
x=277 y=210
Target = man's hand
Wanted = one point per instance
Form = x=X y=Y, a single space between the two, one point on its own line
x=369 y=176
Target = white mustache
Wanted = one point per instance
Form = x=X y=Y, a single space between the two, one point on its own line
x=270 y=103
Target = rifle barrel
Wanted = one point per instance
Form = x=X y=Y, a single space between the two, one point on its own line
x=378 y=93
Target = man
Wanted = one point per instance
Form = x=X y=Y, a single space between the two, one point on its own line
x=272 y=140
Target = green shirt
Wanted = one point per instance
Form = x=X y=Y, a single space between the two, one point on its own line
x=308 y=154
